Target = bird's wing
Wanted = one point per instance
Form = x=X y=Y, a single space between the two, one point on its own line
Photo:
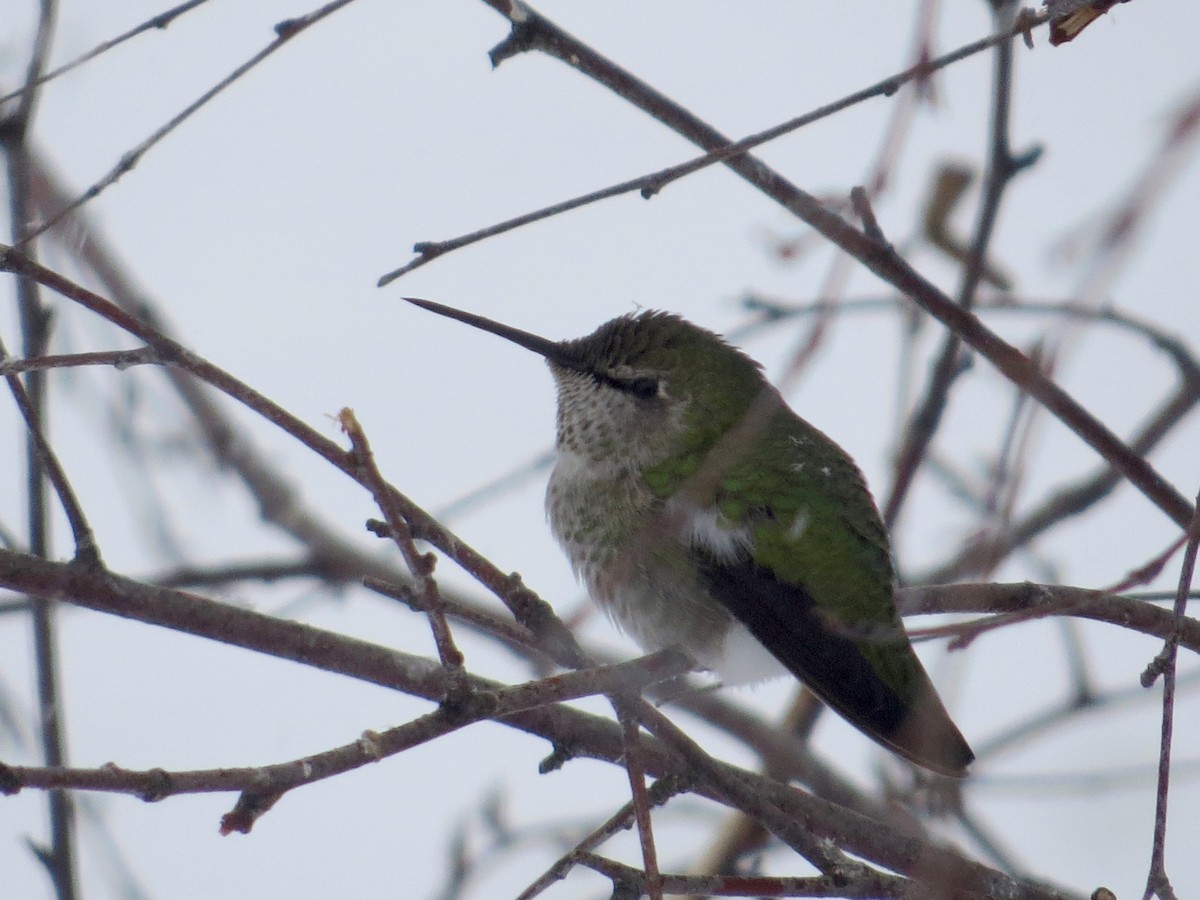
x=814 y=586
x=784 y=618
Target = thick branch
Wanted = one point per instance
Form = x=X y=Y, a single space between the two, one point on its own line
x=784 y=808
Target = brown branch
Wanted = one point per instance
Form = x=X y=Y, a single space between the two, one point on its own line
x=650 y=184
x=419 y=564
x=659 y=793
x=625 y=706
x=799 y=818
x=21 y=118
x=511 y=634
x=786 y=757
x=266 y=570
x=797 y=825
x=273 y=781
x=529 y=609
x=826 y=857
x=740 y=834
x=1029 y=601
x=43 y=462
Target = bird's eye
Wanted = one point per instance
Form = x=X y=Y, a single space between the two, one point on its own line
x=643 y=388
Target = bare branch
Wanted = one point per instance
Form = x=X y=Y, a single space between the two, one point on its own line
x=160 y=21
x=1002 y=168
x=1022 y=602
x=650 y=184
x=800 y=819
x=1157 y=882
x=284 y=32
x=118 y=359
x=420 y=565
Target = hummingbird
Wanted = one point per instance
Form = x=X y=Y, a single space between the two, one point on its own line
x=701 y=513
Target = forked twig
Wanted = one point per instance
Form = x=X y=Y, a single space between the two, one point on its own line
x=420 y=564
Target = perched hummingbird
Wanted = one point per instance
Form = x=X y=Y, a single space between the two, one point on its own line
x=704 y=514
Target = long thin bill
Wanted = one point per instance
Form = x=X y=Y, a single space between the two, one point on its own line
x=551 y=350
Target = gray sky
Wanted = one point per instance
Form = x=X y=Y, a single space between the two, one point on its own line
x=261 y=225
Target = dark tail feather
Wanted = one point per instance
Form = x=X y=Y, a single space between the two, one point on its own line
x=784 y=618
x=928 y=737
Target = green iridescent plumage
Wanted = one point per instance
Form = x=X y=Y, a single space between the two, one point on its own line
x=703 y=513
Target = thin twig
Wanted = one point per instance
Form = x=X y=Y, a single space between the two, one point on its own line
x=982 y=837
x=826 y=857
x=1157 y=881
x=1011 y=603
x=1001 y=169
x=266 y=570
x=21 y=119
x=160 y=21
x=419 y=564
x=1006 y=470
x=626 y=711
x=284 y=32
x=877 y=179
x=42 y=468
x=1091 y=783
x=493 y=702
x=740 y=834
x=494 y=625
x=652 y=183
x=659 y=792
x=44 y=461
x=118 y=359
x=506 y=482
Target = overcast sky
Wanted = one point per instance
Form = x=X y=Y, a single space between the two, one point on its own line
x=260 y=227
